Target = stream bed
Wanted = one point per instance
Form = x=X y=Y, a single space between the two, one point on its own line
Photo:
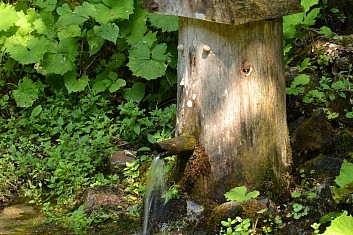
x=21 y=218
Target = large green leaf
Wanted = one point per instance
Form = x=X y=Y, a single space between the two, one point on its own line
x=67 y=17
x=135 y=28
x=28 y=49
x=112 y=10
x=46 y=5
x=8 y=16
x=86 y=10
x=95 y=42
x=342 y=225
x=346 y=174
x=69 y=31
x=75 y=85
x=57 y=63
x=167 y=23
x=135 y=93
x=148 y=61
x=239 y=194
x=26 y=93
x=307 y=4
x=109 y=31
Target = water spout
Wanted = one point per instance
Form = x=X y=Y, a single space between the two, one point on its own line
x=154 y=190
x=181 y=145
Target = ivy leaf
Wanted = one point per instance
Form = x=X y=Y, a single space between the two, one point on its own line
x=342 y=225
x=148 y=63
x=239 y=194
x=75 y=85
x=167 y=23
x=109 y=32
x=26 y=50
x=11 y=16
x=135 y=93
x=26 y=93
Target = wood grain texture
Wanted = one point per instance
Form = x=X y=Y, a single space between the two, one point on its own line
x=225 y=11
x=232 y=91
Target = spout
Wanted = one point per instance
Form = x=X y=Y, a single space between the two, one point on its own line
x=181 y=145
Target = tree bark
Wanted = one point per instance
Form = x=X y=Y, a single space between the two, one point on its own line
x=231 y=93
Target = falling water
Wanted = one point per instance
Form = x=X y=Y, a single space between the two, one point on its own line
x=154 y=189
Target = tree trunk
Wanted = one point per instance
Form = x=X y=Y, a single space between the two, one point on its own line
x=231 y=93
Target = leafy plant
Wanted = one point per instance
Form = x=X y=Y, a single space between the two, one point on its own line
x=171 y=193
x=344 y=182
x=239 y=194
x=342 y=225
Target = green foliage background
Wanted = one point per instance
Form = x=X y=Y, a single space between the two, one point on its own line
x=78 y=79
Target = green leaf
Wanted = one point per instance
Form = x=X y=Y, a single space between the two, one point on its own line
x=11 y=16
x=95 y=42
x=75 y=85
x=135 y=28
x=67 y=17
x=36 y=111
x=342 y=225
x=295 y=194
x=239 y=194
x=86 y=10
x=346 y=174
x=148 y=63
x=46 y=5
x=136 y=93
x=113 y=10
x=62 y=56
x=301 y=79
x=307 y=4
x=309 y=20
x=109 y=32
x=28 y=49
x=101 y=85
x=26 y=93
x=57 y=63
x=119 y=83
x=69 y=31
x=167 y=23
x=325 y=31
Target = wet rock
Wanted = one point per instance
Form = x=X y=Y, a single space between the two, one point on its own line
x=246 y=209
x=344 y=140
x=103 y=197
x=313 y=135
x=323 y=167
x=118 y=160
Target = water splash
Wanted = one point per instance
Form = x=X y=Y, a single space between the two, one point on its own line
x=154 y=189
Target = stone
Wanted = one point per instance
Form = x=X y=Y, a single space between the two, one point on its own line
x=312 y=136
x=119 y=159
x=103 y=196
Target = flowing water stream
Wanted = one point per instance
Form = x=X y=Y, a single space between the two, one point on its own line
x=154 y=190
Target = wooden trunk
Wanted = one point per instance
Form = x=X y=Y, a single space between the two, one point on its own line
x=232 y=93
